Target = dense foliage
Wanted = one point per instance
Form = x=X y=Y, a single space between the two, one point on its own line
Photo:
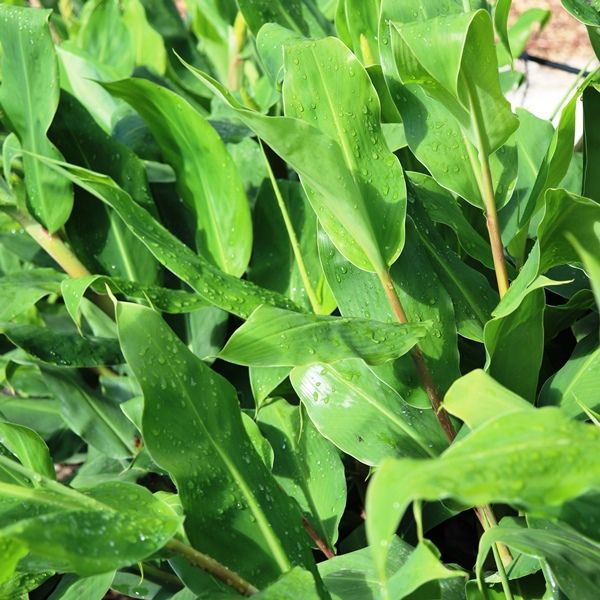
x=294 y=304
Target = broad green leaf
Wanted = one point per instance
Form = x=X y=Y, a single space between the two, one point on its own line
x=358 y=20
x=163 y=299
x=572 y=557
x=72 y=587
x=531 y=459
x=365 y=221
x=464 y=399
x=113 y=249
x=307 y=466
x=28 y=447
x=442 y=207
x=21 y=582
x=533 y=138
x=207 y=178
x=591 y=113
x=41 y=414
x=219 y=476
x=576 y=384
x=514 y=346
x=591 y=262
x=454 y=59
x=21 y=290
x=29 y=98
x=273 y=264
x=64 y=349
x=353 y=576
x=501 y=14
x=273 y=337
x=297 y=583
x=105 y=36
x=422 y=566
x=80 y=75
x=98 y=421
x=239 y=297
x=301 y=16
x=326 y=86
x=433 y=133
x=423 y=297
x=55 y=522
x=469 y=290
x=147 y=42
x=362 y=415
x=566 y=217
x=586 y=11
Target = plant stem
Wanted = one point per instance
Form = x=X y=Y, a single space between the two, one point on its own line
x=58 y=251
x=314 y=302
x=321 y=545
x=502 y=572
x=419 y=359
x=486 y=188
x=210 y=565
x=485 y=514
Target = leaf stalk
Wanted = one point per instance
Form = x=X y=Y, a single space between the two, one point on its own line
x=210 y=565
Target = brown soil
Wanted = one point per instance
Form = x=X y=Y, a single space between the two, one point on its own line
x=564 y=39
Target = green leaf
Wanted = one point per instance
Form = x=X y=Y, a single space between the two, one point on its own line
x=306 y=466
x=207 y=178
x=576 y=384
x=106 y=37
x=22 y=582
x=297 y=583
x=129 y=524
x=21 y=290
x=300 y=16
x=514 y=346
x=218 y=473
x=29 y=98
x=433 y=132
x=566 y=217
x=454 y=59
x=353 y=576
x=442 y=207
x=113 y=249
x=362 y=415
x=591 y=112
x=28 y=447
x=572 y=557
x=273 y=337
x=365 y=221
x=62 y=348
x=273 y=264
x=214 y=286
x=98 y=421
x=463 y=399
x=72 y=587
x=423 y=297
x=359 y=21
x=422 y=566
x=148 y=43
x=533 y=459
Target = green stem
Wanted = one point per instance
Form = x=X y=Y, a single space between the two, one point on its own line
x=314 y=302
x=210 y=565
x=486 y=188
x=58 y=251
x=159 y=575
x=502 y=573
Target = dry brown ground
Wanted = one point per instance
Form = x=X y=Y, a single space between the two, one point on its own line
x=564 y=39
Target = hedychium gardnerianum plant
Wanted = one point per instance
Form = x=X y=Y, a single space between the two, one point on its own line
x=215 y=340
